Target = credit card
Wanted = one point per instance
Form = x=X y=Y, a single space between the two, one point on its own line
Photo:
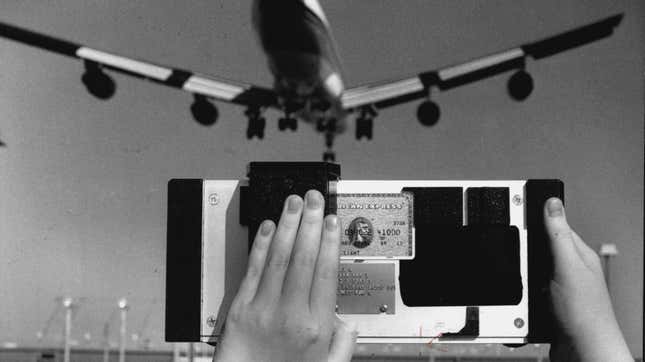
x=376 y=226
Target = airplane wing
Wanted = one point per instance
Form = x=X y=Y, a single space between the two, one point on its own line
x=387 y=94
x=96 y=60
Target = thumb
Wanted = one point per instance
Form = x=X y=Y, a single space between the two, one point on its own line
x=560 y=235
x=343 y=341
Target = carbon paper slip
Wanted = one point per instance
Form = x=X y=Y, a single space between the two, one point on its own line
x=376 y=226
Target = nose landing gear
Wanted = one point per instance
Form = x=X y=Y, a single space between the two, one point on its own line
x=329 y=128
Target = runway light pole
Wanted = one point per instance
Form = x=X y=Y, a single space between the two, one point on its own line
x=123 y=306
x=191 y=352
x=175 y=352
x=106 y=342
x=68 y=305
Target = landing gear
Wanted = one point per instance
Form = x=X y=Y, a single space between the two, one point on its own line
x=365 y=123
x=257 y=123
x=329 y=156
x=329 y=128
x=290 y=106
x=287 y=122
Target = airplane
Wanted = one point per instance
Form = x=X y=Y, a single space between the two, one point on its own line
x=308 y=84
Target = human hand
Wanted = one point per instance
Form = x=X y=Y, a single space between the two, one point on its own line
x=587 y=327
x=285 y=307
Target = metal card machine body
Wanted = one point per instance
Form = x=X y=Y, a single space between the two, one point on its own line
x=448 y=261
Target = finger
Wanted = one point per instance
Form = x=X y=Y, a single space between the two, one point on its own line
x=279 y=253
x=560 y=235
x=323 y=289
x=297 y=284
x=257 y=258
x=588 y=255
x=343 y=341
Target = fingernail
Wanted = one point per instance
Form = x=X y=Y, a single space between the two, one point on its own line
x=554 y=207
x=293 y=205
x=266 y=228
x=331 y=222
x=314 y=199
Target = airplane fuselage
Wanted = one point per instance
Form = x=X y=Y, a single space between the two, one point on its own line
x=302 y=57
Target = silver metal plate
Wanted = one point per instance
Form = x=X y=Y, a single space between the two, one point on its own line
x=366 y=288
x=376 y=226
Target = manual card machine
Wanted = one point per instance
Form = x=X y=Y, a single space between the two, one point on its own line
x=468 y=261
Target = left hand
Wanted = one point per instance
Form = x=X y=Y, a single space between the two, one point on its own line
x=285 y=307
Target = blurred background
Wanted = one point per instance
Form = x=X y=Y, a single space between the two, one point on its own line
x=83 y=181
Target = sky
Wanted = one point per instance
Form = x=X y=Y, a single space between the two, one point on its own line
x=83 y=181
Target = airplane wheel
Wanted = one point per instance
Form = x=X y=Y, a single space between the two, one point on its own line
x=250 y=134
x=256 y=128
x=282 y=124
x=293 y=124
x=364 y=128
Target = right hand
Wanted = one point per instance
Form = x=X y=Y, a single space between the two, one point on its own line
x=587 y=326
